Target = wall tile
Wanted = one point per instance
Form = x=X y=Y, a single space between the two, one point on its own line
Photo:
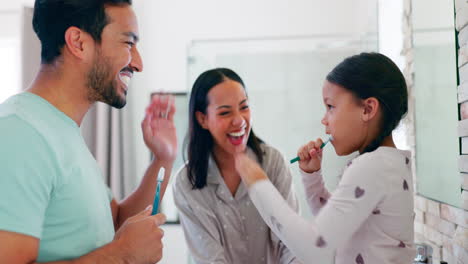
x=463 y=55
x=464 y=180
x=463 y=72
x=433 y=208
x=460 y=238
x=440 y=225
x=463 y=93
x=463 y=163
x=463 y=128
x=454 y=215
x=463 y=37
x=460 y=4
x=433 y=235
x=461 y=18
x=420 y=203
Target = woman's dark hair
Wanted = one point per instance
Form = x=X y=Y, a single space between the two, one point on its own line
x=52 y=18
x=199 y=142
x=375 y=75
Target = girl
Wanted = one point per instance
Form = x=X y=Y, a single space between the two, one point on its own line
x=220 y=223
x=369 y=217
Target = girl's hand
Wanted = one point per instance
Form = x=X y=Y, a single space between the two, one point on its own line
x=159 y=132
x=248 y=169
x=310 y=156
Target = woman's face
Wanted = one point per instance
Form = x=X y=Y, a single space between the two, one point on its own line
x=227 y=116
x=343 y=119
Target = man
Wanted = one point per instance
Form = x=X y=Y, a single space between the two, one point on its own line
x=54 y=205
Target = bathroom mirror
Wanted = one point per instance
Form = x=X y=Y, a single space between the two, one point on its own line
x=435 y=90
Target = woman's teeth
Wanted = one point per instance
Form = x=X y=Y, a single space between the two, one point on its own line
x=237 y=134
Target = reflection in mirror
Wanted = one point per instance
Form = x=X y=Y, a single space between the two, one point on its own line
x=284 y=79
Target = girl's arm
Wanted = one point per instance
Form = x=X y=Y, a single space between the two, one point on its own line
x=350 y=205
x=281 y=177
x=316 y=193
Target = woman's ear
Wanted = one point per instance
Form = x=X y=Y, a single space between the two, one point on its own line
x=201 y=118
x=371 y=107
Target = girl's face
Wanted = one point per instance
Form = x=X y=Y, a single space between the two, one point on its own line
x=343 y=119
x=227 y=116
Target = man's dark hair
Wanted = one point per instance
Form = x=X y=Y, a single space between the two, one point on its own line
x=53 y=17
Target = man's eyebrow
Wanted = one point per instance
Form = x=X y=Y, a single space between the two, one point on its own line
x=131 y=35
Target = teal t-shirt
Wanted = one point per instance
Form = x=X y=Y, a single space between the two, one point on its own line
x=51 y=186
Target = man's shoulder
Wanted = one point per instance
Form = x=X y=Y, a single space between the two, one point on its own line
x=20 y=140
x=15 y=128
x=18 y=118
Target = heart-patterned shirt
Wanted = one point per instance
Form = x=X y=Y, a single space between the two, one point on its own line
x=367 y=219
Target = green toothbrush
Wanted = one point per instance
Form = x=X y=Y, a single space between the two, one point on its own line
x=321 y=146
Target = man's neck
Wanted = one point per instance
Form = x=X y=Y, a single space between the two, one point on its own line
x=64 y=90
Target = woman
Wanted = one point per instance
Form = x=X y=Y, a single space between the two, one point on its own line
x=220 y=223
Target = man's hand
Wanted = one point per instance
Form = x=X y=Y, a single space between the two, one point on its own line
x=159 y=132
x=139 y=239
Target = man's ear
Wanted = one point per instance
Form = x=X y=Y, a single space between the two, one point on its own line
x=370 y=109
x=201 y=118
x=78 y=42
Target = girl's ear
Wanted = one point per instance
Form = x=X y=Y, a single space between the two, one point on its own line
x=201 y=118
x=371 y=107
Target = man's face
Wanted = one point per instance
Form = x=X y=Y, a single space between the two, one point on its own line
x=116 y=58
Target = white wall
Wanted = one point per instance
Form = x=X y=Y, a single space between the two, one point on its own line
x=8 y=5
x=168 y=27
x=391 y=30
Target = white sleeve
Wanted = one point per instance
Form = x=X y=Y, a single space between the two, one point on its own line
x=316 y=193
x=350 y=205
x=280 y=175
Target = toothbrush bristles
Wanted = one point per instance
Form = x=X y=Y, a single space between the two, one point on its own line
x=161 y=174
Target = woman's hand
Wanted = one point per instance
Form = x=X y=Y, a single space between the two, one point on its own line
x=310 y=156
x=159 y=132
x=248 y=169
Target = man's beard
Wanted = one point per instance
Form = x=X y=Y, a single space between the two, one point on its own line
x=101 y=86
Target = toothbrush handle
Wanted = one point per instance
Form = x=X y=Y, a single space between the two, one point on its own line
x=323 y=144
x=294 y=160
x=156 y=200
x=298 y=159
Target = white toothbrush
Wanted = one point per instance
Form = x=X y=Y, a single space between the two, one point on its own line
x=158 y=189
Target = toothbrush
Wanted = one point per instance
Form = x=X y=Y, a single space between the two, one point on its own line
x=321 y=146
x=158 y=189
